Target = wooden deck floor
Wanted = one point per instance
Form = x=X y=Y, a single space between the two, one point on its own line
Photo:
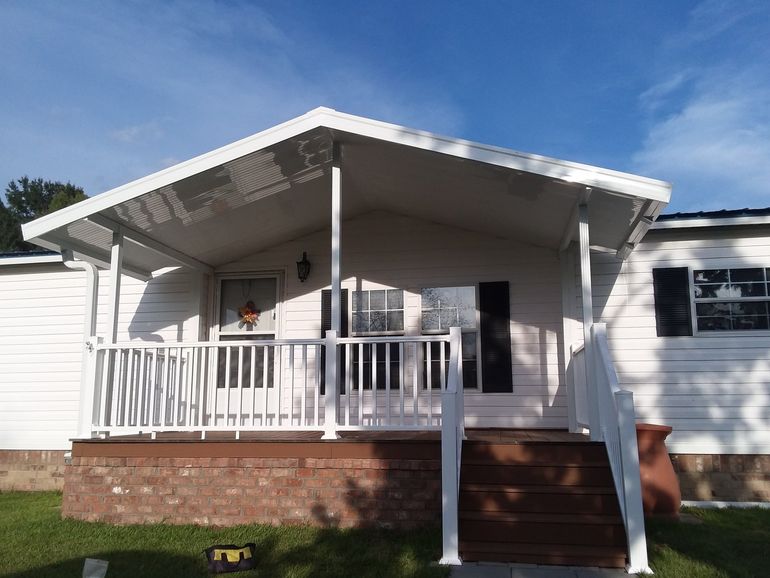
x=497 y=435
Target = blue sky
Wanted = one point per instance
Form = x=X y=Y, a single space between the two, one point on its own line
x=100 y=93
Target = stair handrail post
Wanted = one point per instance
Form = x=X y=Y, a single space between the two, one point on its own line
x=632 y=485
x=450 y=470
x=330 y=380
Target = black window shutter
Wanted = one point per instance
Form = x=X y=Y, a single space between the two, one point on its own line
x=495 y=332
x=326 y=325
x=673 y=316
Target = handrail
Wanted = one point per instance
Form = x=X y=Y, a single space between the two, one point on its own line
x=618 y=429
x=187 y=344
x=396 y=339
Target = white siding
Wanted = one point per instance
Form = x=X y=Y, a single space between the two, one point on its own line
x=41 y=341
x=380 y=249
x=713 y=389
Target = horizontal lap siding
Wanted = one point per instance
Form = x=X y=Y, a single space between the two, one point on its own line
x=713 y=389
x=385 y=250
x=42 y=312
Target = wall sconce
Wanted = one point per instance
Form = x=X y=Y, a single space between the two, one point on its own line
x=303 y=268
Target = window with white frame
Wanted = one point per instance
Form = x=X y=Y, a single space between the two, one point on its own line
x=731 y=299
x=377 y=312
x=445 y=307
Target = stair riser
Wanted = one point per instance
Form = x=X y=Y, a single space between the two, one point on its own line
x=616 y=562
x=536 y=475
x=526 y=454
x=546 y=503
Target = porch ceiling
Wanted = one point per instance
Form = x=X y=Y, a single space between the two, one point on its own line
x=275 y=187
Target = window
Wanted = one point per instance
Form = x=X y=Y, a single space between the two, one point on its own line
x=247 y=311
x=731 y=299
x=445 y=307
x=377 y=312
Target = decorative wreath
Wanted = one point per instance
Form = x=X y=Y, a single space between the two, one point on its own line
x=249 y=314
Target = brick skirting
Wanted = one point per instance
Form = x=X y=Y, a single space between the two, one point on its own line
x=348 y=485
x=31 y=470
x=725 y=477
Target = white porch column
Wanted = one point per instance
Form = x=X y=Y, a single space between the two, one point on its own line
x=331 y=407
x=116 y=267
x=569 y=329
x=588 y=321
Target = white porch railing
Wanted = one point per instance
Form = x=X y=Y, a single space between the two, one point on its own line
x=251 y=385
x=618 y=429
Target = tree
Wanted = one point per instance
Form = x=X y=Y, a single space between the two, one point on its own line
x=28 y=199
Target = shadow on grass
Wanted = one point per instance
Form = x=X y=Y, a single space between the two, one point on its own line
x=731 y=542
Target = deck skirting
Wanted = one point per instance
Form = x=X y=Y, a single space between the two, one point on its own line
x=224 y=483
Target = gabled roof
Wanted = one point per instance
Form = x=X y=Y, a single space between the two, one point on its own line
x=271 y=187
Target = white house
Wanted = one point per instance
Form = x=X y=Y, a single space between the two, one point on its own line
x=177 y=329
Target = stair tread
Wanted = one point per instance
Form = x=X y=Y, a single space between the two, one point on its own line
x=545 y=559
x=472 y=461
x=530 y=489
x=535 y=548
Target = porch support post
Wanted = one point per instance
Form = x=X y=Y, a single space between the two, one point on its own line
x=588 y=321
x=570 y=333
x=332 y=354
x=116 y=266
x=336 y=321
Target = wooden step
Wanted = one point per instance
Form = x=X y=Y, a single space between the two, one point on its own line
x=543 y=533
x=538 y=517
x=475 y=452
x=568 y=475
x=562 y=499
x=561 y=555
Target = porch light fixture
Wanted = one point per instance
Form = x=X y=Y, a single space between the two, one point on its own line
x=303 y=268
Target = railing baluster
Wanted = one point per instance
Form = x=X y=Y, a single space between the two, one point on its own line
x=317 y=384
x=387 y=383
x=131 y=389
x=304 y=386
x=191 y=383
x=239 y=411
x=291 y=404
x=430 y=382
x=416 y=384
x=253 y=383
x=348 y=383
x=442 y=360
x=401 y=383
x=177 y=389
x=228 y=360
x=152 y=387
x=265 y=374
x=214 y=386
x=277 y=381
x=373 y=359
x=360 y=384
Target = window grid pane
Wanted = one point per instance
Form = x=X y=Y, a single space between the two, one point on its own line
x=378 y=311
x=730 y=299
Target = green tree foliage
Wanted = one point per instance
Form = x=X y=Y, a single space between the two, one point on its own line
x=27 y=199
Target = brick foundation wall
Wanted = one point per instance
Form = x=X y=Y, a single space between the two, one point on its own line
x=31 y=470
x=725 y=477
x=225 y=491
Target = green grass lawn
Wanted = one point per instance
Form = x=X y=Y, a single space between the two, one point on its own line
x=714 y=544
x=36 y=542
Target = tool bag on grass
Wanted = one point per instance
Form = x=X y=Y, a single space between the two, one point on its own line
x=231 y=558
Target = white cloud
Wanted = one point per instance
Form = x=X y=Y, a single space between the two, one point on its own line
x=138 y=133
x=709 y=113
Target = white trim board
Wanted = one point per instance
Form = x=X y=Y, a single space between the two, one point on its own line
x=606 y=179
x=30 y=260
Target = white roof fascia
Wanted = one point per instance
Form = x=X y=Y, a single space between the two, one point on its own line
x=624 y=183
x=712 y=222
x=30 y=260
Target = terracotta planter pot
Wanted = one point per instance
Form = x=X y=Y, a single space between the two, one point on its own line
x=661 y=495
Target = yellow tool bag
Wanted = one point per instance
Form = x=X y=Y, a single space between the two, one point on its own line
x=231 y=558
